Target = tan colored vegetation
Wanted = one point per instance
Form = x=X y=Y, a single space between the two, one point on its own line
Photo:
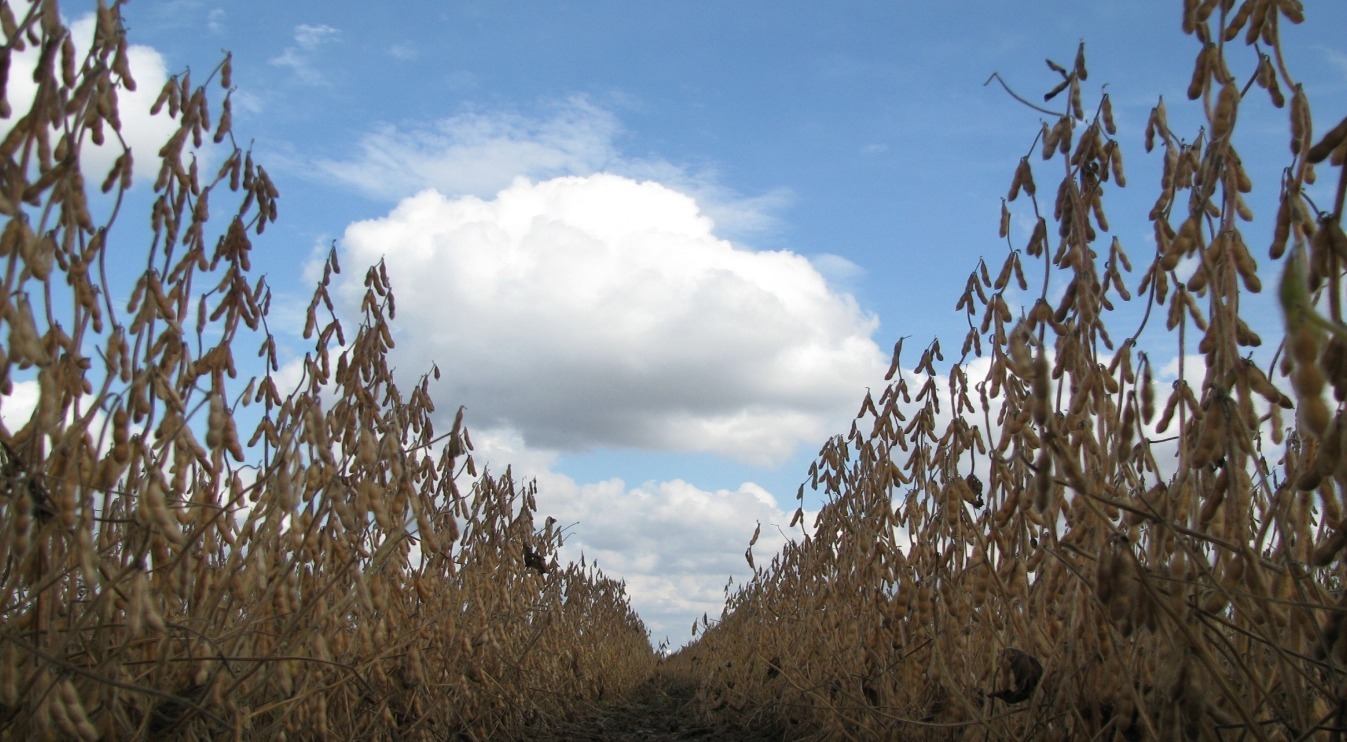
x=1013 y=555
x=190 y=554
x=193 y=553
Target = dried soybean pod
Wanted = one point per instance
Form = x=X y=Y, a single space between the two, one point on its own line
x=1147 y=394
x=1282 y=230
x=1049 y=140
x=1227 y=107
x=1326 y=551
x=1027 y=179
x=1336 y=136
x=1115 y=161
x=1201 y=72
x=1042 y=394
x=1105 y=574
x=1017 y=182
x=1238 y=20
x=1300 y=120
x=1003 y=278
x=1331 y=235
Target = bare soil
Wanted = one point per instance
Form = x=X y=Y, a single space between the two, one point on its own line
x=662 y=708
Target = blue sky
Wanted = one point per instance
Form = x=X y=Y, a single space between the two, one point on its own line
x=660 y=249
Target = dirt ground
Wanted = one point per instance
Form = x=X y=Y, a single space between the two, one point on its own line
x=659 y=709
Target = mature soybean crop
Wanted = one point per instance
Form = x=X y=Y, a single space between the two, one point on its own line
x=1037 y=539
x=170 y=571
x=1041 y=541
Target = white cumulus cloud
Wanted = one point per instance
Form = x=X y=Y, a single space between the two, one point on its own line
x=600 y=311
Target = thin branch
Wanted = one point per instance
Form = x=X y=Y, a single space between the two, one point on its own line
x=997 y=77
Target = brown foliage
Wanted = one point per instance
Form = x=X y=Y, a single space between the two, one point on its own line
x=1103 y=594
x=168 y=572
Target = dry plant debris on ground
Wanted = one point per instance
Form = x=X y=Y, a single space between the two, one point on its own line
x=189 y=554
x=661 y=708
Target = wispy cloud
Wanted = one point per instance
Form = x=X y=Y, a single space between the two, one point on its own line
x=215 y=21
x=480 y=152
x=1336 y=58
x=840 y=272
x=311 y=37
x=300 y=57
x=404 y=51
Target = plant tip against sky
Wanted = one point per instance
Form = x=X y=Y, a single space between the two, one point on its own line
x=660 y=251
